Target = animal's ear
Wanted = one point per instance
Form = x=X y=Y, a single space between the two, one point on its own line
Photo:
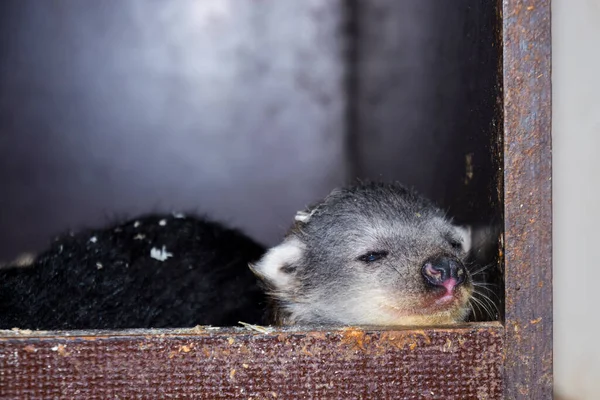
x=304 y=215
x=465 y=235
x=279 y=266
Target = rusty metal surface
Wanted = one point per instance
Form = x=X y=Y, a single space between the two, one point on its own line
x=462 y=363
x=528 y=207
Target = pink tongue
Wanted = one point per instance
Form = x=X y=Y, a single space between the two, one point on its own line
x=449 y=285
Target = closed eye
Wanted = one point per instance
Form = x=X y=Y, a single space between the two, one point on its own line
x=456 y=245
x=373 y=256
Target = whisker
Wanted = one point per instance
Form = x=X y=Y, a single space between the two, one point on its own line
x=483 y=305
x=485 y=284
x=472 y=310
x=477 y=305
x=491 y=302
x=488 y=290
x=484 y=309
x=482 y=269
x=490 y=306
x=486 y=299
x=483 y=288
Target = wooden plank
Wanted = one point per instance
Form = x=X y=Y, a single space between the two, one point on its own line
x=461 y=363
x=527 y=191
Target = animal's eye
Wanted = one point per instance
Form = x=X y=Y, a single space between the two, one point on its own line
x=456 y=245
x=372 y=256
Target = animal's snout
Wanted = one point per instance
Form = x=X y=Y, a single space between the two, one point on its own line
x=444 y=272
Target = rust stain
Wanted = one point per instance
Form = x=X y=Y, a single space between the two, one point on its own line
x=30 y=348
x=145 y=345
x=354 y=338
x=305 y=351
x=535 y=321
x=61 y=349
x=186 y=348
x=400 y=340
x=423 y=334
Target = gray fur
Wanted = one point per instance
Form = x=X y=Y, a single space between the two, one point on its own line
x=316 y=276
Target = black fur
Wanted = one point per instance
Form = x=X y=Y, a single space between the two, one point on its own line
x=107 y=279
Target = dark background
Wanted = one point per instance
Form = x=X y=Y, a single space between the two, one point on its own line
x=244 y=110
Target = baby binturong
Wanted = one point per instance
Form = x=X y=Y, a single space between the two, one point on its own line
x=370 y=254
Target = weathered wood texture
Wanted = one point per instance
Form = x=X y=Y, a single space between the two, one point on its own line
x=527 y=199
x=463 y=363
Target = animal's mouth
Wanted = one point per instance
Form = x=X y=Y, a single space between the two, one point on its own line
x=447 y=292
x=440 y=301
x=447 y=297
x=447 y=285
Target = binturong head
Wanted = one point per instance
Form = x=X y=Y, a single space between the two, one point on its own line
x=370 y=254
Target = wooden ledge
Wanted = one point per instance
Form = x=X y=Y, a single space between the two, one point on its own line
x=447 y=363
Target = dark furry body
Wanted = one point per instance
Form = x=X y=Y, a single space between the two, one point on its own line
x=106 y=278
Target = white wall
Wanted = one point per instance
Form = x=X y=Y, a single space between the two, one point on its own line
x=576 y=165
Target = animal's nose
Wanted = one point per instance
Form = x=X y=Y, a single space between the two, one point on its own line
x=444 y=271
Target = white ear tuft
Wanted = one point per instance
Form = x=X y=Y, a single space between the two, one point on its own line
x=277 y=265
x=464 y=232
x=303 y=216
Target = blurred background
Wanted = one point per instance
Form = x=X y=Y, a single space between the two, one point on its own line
x=249 y=110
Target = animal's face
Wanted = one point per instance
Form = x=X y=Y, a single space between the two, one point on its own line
x=372 y=254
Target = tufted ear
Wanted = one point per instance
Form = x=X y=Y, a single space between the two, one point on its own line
x=304 y=216
x=278 y=267
x=465 y=234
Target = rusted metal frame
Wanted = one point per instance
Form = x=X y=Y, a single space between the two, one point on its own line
x=527 y=194
x=333 y=364
x=445 y=363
